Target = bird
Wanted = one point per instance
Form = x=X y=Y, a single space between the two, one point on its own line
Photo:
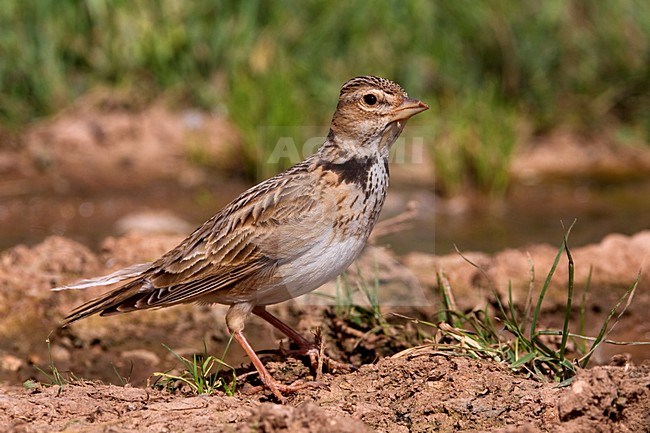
x=282 y=238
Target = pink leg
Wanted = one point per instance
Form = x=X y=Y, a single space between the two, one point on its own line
x=276 y=387
x=305 y=347
x=283 y=327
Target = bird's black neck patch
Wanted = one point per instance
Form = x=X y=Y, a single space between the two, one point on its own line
x=354 y=170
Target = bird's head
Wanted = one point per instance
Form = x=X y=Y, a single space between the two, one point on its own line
x=371 y=114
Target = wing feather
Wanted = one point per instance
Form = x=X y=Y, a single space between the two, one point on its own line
x=234 y=252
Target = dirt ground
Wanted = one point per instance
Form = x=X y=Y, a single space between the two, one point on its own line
x=395 y=388
x=424 y=391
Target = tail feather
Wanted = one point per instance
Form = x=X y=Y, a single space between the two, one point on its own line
x=108 y=302
x=115 y=277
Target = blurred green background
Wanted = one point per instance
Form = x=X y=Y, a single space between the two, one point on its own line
x=490 y=69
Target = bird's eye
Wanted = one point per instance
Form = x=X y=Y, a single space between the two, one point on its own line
x=370 y=99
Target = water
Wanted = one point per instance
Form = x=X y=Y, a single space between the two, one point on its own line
x=91 y=216
x=531 y=214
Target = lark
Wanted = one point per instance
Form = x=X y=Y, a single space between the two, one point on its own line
x=283 y=237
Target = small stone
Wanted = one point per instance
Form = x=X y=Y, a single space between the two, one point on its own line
x=141 y=355
x=10 y=363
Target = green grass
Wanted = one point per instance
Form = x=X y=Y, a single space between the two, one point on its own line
x=274 y=67
x=353 y=312
x=53 y=375
x=502 y=331
x=201 y=374
x=358 y=327
x=474 y=142
x=512 y=335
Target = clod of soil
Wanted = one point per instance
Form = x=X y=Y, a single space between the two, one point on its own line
x=419 y=390
x=566 y=155
x=610 y=267
x=100 y=142
x=422 y=392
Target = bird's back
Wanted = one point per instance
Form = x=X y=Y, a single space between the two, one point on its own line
x=289 y=234
x=280 y=239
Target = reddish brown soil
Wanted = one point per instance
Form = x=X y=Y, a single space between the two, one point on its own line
x=105 y=141
x=418 y=390
x=422 y=392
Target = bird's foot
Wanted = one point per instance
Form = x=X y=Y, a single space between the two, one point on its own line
x=317 y=357
x=280 y=389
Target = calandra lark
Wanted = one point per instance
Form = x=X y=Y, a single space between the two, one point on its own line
x=283 y=237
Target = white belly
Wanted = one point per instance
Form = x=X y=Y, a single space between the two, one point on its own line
x=314 y=268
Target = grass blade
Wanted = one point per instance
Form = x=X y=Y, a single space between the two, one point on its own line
x=547 y=283
x=627 y=296
x=567 y=307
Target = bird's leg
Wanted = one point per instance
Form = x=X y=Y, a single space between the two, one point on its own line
x=273 y=385
x=235 y=319
x=287 y=330
x=305 y=347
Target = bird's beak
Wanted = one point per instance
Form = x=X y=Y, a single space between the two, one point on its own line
x=410 y=107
